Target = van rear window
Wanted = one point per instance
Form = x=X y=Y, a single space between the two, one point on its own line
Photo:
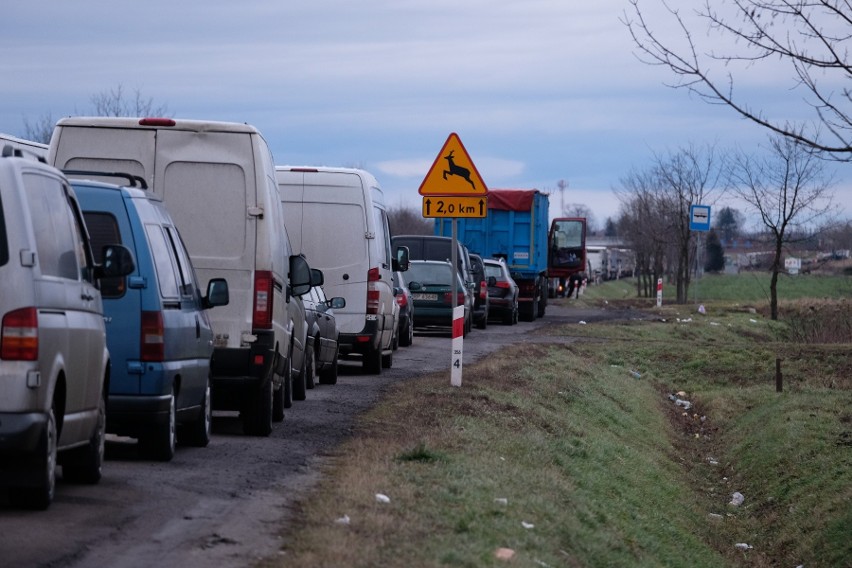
x=103 y=230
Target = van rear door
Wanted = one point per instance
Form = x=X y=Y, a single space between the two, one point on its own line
x=83 y=148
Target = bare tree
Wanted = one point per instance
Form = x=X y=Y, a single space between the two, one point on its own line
x=408 y=221
x=581 y=210
x=115 y=103
x=811 y=37
x=789 y=190
x=644 y=227
x=687 y=177
x=40 y=129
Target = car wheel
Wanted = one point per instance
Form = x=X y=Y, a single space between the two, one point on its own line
x=299 y=381
x=84 y=465
x=387 y=360
x=407 y=338
x=160 y=443
x=197 y=432
x=509 y=316
x=328 y=376
x=257 y=416
x=281 y=394
x=310 y=366
x=483 y=323
x=40 y=496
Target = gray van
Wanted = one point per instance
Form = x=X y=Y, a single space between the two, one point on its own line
x=54 y=363
x=158 y=332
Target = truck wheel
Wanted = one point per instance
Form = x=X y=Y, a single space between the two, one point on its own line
x=387 y=360
x=197 y=432
x=257 y=415
x=40 y=496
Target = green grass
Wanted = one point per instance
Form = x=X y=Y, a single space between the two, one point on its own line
x=744 y=287
x=604 y=466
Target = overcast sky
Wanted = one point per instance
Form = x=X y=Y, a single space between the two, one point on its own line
x=538 y=91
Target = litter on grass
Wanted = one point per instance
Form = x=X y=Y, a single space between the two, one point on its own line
x=344 y=520
x=527 y=525
x=743 y=546
x=737 y=499
x=382 y=498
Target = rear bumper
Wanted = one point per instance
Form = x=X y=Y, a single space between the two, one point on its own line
x=20 y=432
x=21 y=447
x=236 y=372
x=366 y=340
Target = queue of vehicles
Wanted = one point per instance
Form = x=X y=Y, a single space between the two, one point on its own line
x=166 y=268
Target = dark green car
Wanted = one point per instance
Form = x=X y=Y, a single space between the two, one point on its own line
x=430 y=283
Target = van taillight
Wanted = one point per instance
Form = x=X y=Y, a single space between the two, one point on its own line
x=152 y=337
x=20 y=335
x=373 y=276
x=263 y=294
x=483 y=290
x=157 y=122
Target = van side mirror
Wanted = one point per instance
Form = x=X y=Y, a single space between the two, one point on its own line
x=401 y=262
x=317 y=277
x=117 y=262
x=217 y=293
x=300 y=275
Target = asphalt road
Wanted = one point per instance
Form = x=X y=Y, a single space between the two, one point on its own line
x=225 y=505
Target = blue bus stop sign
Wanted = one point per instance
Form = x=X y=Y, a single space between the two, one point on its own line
x=699 y=218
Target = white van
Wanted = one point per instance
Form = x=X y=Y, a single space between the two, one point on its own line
x=336 y=217
x=218 y=182
x=35 y=148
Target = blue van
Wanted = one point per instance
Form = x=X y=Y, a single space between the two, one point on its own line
x=158 y=331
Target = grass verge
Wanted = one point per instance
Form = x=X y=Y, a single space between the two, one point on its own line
x=559 y=454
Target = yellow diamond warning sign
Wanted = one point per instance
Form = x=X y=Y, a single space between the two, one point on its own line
x=453 y=172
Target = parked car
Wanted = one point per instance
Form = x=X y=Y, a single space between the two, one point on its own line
x=323 y=342
x=481 y=300
x=158 y=331
x=502 y=290
x=431 y=285
x=54 y=362
x=218 y=181
x=406 y=309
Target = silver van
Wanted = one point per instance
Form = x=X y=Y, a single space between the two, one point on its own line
x=217 y=180
x=54 y=363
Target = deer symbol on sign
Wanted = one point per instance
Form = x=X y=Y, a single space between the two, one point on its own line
x=457 y=170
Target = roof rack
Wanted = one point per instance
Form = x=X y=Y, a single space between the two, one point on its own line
x=133 y=180
x=9 y=151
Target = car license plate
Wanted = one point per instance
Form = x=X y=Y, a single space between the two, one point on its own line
x=425 y=297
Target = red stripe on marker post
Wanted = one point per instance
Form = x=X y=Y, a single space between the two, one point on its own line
x=458 y=326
